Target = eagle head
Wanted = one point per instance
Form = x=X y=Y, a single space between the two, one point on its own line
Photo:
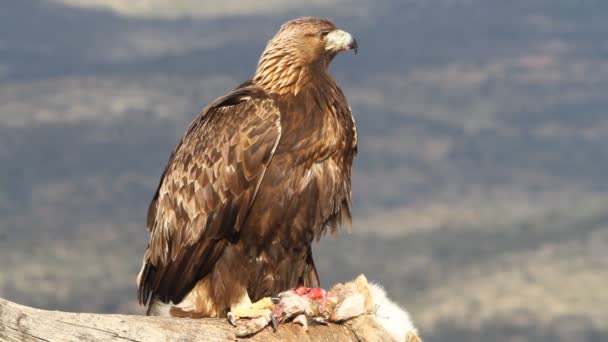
x=316 y=38
x=302 y=47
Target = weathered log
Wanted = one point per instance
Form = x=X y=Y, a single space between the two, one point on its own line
x=22 y=323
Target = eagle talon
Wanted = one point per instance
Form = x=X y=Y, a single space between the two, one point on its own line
x=231 y=319
x=320 y=320
x=275 y=300
x=274 y=323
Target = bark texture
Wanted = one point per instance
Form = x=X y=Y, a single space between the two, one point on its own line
x=22 y=323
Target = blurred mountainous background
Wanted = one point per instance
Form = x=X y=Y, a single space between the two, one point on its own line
x=480 y=190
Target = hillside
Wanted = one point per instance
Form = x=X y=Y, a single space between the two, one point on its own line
x=480 y=187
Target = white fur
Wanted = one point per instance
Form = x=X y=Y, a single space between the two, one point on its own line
x=351 y=306
x=293 y=304
x=390 y=316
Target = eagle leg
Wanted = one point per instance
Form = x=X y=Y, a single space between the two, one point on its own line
x=260 y=308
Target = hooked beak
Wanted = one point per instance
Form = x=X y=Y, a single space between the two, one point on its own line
x=338 y=40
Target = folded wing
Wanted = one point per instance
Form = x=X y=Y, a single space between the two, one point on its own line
x=206 y=191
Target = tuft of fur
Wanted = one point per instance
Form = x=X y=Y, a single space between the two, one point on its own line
x=394 y=319
x=361 y=297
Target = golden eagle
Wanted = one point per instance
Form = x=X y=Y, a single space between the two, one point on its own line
x=262 y=172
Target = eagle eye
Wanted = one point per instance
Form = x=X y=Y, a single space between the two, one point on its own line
x=324 y=33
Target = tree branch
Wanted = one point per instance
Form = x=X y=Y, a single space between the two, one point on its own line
x=22 y=323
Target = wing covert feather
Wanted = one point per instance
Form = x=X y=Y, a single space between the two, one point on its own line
x=206 y=191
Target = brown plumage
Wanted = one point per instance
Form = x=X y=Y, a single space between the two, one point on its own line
x=259 y=174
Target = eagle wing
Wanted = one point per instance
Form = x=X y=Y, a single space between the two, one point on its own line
x=206 y=191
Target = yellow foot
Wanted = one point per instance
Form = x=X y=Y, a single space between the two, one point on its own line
x=262 y=307
x=251 y=319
